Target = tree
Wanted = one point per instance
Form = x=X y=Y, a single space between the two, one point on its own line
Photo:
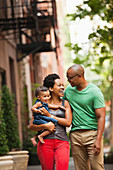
x=99 y=57
x=7 y=106
x=3 y=141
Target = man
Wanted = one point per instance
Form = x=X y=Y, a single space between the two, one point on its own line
x=88 y=122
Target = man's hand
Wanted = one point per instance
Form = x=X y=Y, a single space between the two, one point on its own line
x=50 y=126
x=97 y=147
x=44 y=112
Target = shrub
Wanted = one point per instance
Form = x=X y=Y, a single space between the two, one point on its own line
x=3 y=141
x=8 y=108
x=27 y=144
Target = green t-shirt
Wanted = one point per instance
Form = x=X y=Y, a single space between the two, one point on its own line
x=83 y=105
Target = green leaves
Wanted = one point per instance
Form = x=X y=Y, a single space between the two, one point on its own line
x=3 y=138
x=7 y=107
x=96 y=6
x=90 y=8
x=99 y=56
x=74 y=47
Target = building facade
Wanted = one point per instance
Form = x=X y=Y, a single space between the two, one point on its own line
x=29 y=50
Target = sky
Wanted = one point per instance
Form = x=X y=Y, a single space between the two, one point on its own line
x=79 y=31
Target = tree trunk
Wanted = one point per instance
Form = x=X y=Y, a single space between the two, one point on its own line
x=111 y=116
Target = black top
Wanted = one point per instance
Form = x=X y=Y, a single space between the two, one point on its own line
x=60 y=132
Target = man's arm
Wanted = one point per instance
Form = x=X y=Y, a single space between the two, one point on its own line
x=100 y=114
x=49 y=126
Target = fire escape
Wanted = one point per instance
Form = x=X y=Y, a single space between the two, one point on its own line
x=34 y=20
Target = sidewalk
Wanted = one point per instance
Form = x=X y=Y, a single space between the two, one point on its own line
x=71 y=166
x=38 y=167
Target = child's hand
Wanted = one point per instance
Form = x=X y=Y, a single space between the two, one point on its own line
x=38 y=111
x=44 y=112
x=62 y=107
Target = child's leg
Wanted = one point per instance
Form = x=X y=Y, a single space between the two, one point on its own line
x=45 y=133
x=33 y=140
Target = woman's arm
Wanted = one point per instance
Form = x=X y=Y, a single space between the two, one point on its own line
x=61 y=121
x=49 y=126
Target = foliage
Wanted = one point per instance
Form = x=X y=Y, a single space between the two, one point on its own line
x=99 y=56
x=109 y=158
x=8 y=108
x=27 y=145
x=34 y=86
x=27 y=134
x=106 y=141
x=69 y=144
x=3 y=141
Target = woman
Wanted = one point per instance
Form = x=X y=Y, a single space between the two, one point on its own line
x=56 y=149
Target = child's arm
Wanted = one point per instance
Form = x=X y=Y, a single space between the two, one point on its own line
x=35 y=106
x=61 y=121
x=53 y=106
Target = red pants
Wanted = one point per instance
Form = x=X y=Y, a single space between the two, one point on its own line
x=53 y=151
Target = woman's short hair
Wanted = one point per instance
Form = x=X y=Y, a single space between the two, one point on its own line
x=49 y=80
x=40 y=89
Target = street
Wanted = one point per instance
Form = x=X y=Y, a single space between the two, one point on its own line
x=71 y=166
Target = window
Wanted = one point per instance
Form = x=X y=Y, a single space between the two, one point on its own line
x=12 y=75
x=12 y=79
x=2 y=78
x=3 y=9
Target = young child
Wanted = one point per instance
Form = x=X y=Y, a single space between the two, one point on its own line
x=43 y=95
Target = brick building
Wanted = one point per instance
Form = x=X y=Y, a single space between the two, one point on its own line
x=29 y=49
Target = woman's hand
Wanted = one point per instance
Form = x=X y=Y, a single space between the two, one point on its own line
x=49 y=126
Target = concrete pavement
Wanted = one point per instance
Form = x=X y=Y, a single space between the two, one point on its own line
x=71 y=166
